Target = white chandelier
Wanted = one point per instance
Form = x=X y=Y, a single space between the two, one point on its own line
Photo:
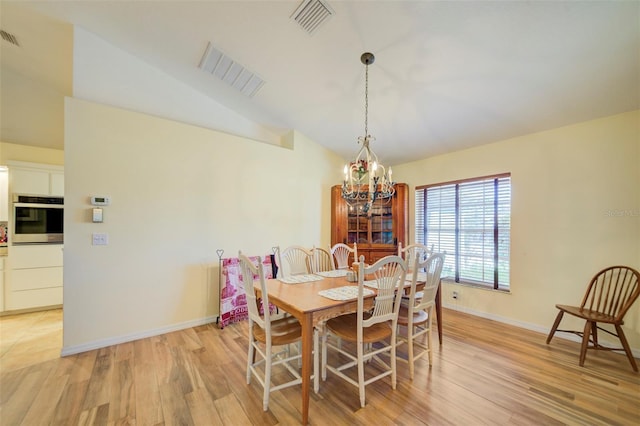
x=365 y=179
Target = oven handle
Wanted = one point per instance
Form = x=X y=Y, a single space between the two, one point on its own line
x=33 y=205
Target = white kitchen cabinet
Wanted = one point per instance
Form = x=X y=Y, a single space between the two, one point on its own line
x=1 y=284
x=56 y=183
x=4 y=195
x=34 y=276
x=36 y=179
x=27 y=181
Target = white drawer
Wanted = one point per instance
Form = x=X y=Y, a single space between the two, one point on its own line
x=35 y=256
x=34 y=298
x=36 y=278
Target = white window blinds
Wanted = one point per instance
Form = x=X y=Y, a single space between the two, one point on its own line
x=471 y=221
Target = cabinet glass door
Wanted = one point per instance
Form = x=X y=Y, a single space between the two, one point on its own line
x=376 y=228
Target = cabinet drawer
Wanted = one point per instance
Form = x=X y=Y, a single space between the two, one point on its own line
x=36 y=256
x=37 y=278
x=34 y=298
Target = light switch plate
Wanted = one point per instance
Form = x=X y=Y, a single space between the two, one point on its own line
x=100 y=239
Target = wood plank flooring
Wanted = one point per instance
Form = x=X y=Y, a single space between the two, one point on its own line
x=485 y=373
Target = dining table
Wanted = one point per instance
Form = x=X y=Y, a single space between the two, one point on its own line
x=299 y=296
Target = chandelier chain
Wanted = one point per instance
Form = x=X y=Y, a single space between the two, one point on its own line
x=366 y=101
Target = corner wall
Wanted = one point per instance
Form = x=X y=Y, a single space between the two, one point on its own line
x=575 y=210
x=179 y=193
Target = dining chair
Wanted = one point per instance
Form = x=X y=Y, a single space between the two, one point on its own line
x=321 y=260
x=294 y=260
x=267 y=332
x=373 y=332
x=417 y=309
x=609 y=295
x=341 y=253
x=414 y=250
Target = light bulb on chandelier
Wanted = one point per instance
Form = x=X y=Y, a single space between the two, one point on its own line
x=366 y=179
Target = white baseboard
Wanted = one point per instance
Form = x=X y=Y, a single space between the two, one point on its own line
x=532 y=327
x=98 y=344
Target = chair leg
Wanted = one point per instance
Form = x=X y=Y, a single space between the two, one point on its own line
x=555 y=326
x=594 y=334
x=267 y=378
x=410 y=348
x=394 y=378
x=585 y=341
x=250 y=360
x=361 y=373
x=627 y=349
x=316 y=361
x=429 y=341
x=324 y=355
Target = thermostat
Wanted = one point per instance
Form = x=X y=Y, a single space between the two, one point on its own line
x=100 y=200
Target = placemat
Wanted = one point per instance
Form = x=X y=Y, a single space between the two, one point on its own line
x=422 y=276
x=333 y=274
x=300 y=279
x=344 y=293
x=371 y=283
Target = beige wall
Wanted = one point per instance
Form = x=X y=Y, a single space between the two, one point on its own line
x=14 y=152
x=179 y=193
x=575 y=210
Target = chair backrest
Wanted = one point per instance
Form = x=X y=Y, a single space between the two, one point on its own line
x=414 y=251
x=340 y=254
x=389 y=274
x=432 y=267
x=250 y=272
x=294 y=260
x=612 y=291
x=321 y=260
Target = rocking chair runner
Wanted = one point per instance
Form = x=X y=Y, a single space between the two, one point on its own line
x=609 y=296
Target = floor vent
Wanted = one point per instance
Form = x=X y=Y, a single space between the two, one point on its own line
x=311 y=14
x=230 y=71
x=9 y=37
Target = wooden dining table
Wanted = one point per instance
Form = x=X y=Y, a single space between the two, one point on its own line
x=302 y=301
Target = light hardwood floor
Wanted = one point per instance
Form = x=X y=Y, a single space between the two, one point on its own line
x=485 y=373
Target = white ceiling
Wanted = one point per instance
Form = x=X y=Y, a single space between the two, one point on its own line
x=447 y=75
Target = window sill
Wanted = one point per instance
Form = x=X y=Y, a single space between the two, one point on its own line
x=476 y=285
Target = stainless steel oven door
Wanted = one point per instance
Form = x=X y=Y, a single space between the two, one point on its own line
x=37 y=223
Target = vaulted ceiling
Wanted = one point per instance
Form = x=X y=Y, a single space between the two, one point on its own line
x=447 y=75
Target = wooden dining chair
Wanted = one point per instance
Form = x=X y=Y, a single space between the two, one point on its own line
x=342 y=253
x=294 y=260
x=321 y=260
x=609 y=296
x=373 y=332
x=417 y=309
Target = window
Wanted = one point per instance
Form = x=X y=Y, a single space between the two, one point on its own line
x=471 y=221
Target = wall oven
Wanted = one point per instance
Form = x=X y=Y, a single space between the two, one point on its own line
x=37 y=219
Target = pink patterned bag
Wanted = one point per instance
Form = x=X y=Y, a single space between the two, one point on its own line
x=233 y=301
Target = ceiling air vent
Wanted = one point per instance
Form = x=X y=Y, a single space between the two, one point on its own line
x=9 y=37
x=311 y=14
x=229 y=71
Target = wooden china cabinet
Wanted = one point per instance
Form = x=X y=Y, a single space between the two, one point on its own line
x=377 y=234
